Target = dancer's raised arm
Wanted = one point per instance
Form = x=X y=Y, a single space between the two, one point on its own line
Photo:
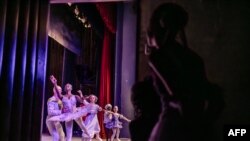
x=80 y=98
x=54 y=82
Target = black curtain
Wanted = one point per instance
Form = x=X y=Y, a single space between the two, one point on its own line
x=55 y=67
x=23 y=58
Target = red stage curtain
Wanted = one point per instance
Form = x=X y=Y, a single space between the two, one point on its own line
x=105 y=77
x=108 y=14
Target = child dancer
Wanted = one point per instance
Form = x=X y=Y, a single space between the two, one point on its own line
x=91 y=121
x=108 y=119
x=117 y=124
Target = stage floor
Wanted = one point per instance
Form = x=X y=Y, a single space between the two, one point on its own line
x=46 y=137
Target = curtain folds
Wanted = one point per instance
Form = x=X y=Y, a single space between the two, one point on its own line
x=23 y=56
x=55 y=67
x=108 y=14
x=105 y=76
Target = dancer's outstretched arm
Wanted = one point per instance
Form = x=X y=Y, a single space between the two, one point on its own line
x=125 y=118
x=54 y=82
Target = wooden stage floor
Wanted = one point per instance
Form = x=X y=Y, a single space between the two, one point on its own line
x=46 y=137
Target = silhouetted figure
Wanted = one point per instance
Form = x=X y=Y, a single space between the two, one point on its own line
x=190 y=102
x=147 y=106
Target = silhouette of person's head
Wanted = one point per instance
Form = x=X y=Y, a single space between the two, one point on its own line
x=166 y=21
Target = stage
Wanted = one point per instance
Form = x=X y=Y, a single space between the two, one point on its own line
x=46 y=137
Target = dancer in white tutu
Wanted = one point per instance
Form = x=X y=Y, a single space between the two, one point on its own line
x=91 y=121
x=116 y=123
x=54 y=105
x=69 y=109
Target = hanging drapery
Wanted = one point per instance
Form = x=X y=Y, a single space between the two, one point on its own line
x=108 y=14
x=105 y=76
x=55 y=67
x=23 y=54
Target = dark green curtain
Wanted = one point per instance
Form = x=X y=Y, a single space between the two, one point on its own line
x=23 y=58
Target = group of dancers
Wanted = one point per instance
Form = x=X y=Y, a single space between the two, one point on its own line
x=62 y=108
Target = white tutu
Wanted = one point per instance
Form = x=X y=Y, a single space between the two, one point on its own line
x=80 y=112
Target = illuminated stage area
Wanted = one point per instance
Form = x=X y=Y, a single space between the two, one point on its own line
x=46 y=137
